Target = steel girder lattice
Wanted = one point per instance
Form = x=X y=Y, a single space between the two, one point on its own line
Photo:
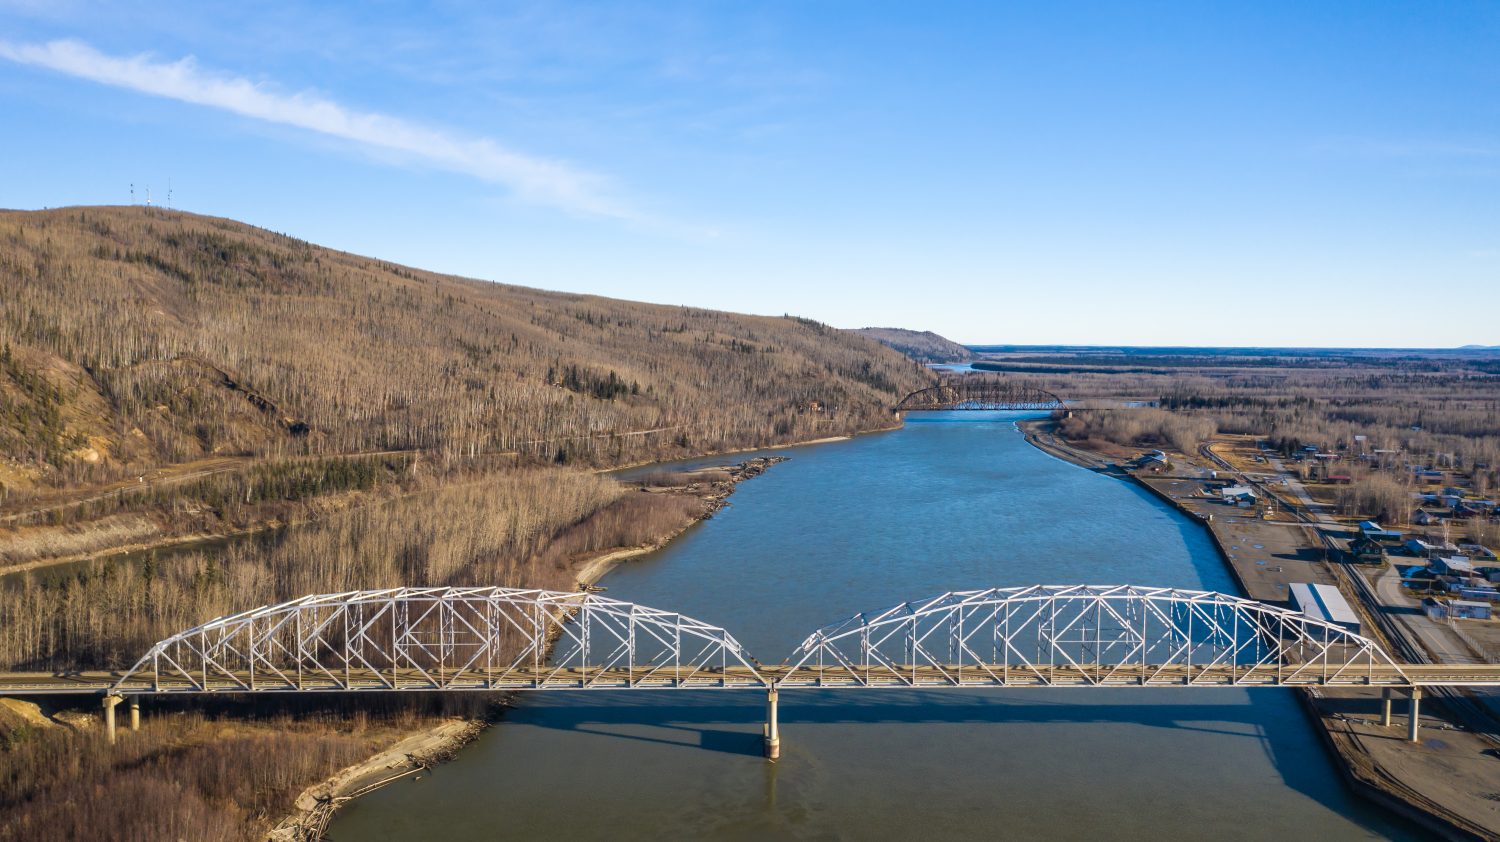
x=978 y=392
x=1085 y=635
x=446 y=639
x=514 y=639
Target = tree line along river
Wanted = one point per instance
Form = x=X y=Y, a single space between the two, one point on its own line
x=952 y=501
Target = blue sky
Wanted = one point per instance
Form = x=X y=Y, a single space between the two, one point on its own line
x=1134 y=173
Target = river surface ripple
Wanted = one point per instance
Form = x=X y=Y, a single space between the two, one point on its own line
x=953 y=501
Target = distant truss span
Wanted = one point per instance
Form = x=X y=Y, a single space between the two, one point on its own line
x=978 y=392
x=445 y=639
x=1071 y=635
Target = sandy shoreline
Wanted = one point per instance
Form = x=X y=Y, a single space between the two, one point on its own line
x=1041 y=434
x=315 y=807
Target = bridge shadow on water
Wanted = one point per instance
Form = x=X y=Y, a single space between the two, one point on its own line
x=730 y=722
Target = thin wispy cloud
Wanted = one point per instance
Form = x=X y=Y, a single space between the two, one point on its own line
x=531 y=178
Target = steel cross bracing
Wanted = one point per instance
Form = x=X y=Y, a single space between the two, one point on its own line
x=445 y=639
x=1120 y=635
x=514 y=639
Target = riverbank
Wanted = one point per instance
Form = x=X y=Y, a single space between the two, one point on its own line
x=317 y=805
x=1428 y=783
x=615 y=469
x=1042 y=434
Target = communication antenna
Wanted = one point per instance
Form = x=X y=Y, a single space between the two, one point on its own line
x=169 y=194
x=148 y=195
x=132 y=192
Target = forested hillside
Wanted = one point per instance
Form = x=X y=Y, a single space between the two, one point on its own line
x=198 y=416
x=133 y=337
x=921 y=345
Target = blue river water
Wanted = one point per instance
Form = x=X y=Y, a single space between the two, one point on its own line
x=952 y=501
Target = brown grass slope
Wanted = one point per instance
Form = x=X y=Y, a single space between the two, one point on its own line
x=132 y=337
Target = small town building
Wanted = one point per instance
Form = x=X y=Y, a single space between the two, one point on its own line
x=1434 y=609
x=1426 y=517
x=1418 y=547
x=1452 y=566
x=1151 y=463
x=1324 y=603
x=1238 y=495
x=1476 y=552
x=1464 y=609
x=1371 y=529
x=1366 y=550
x=1426 y=549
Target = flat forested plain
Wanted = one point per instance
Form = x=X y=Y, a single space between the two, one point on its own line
x=1385 y=413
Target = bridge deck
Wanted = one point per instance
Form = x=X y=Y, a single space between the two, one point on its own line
x=649 y=678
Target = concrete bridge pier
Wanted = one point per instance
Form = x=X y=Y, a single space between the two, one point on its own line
x=135 y=713
x=773 y=732
x=1414 y=716
x=110 y=700
x=1385 y=708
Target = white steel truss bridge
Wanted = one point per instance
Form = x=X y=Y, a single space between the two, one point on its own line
x=500 y=639
x=445 y=639
x=1083 y=635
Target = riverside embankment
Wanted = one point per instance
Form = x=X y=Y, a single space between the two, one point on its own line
x=1440 y=783
x=949 y=502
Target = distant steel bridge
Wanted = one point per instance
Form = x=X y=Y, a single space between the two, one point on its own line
x=498 y=639
x=978 y=392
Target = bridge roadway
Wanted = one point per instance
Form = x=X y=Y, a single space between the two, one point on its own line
x=768 y=677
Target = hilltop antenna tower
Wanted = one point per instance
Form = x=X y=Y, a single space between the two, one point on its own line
x=169 y=194
x=132 y=192
x=148 y=195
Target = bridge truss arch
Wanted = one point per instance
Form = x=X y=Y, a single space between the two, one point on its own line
x=979 y=393
x=1082 y=635
x=445 y=639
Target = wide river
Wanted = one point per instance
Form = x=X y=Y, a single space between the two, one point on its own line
x=951 y=502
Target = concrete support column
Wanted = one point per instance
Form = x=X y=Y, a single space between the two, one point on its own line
x=109 y=716
x=773 y=731
x=135 y=713
x=1414 y=717
x=1385 y=708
